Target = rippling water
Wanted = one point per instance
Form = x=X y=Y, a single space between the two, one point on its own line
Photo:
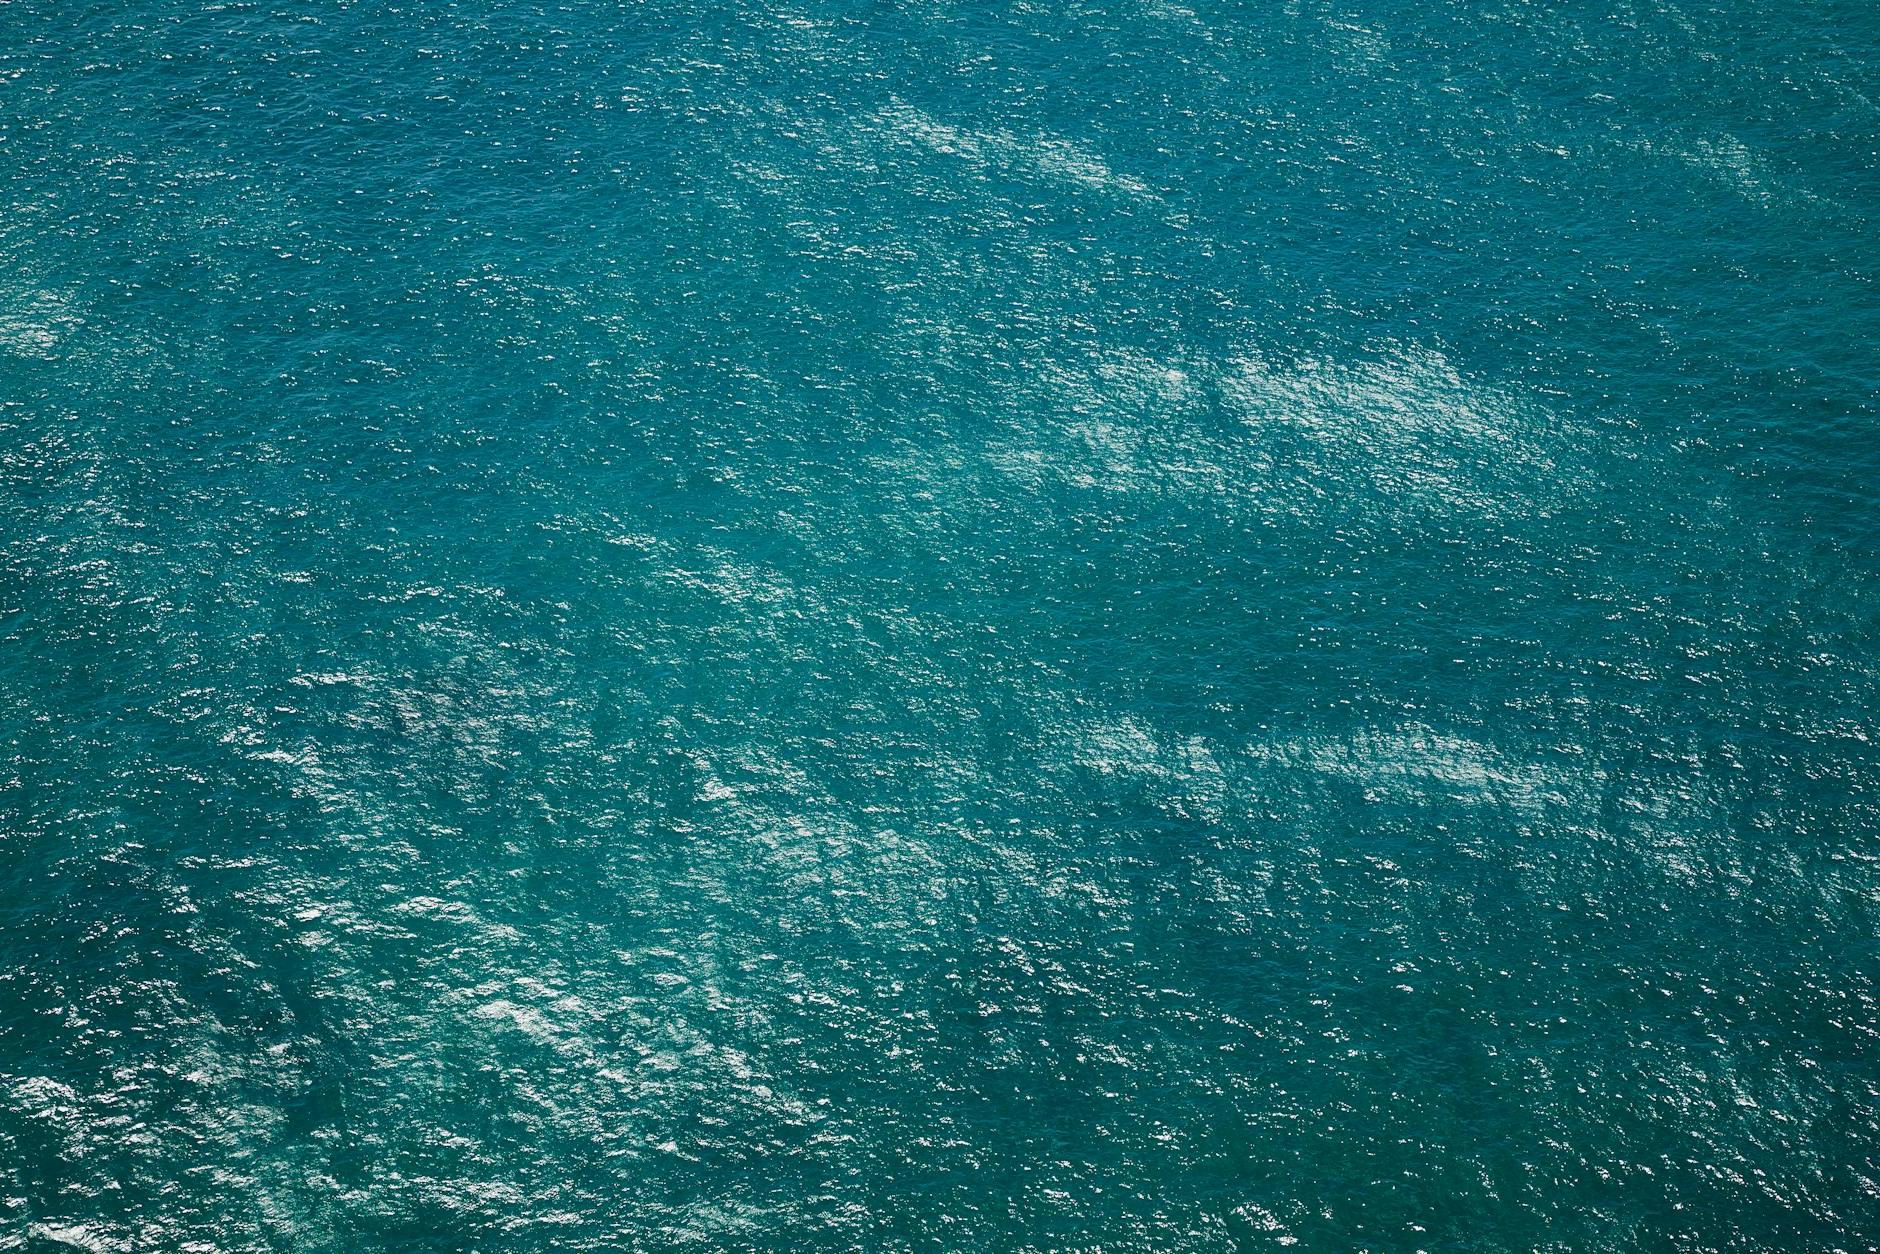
x=883 y=626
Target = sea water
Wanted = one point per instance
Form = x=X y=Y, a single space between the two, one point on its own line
x=835 y=624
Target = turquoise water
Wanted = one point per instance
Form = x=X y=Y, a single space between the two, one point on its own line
x=886 y=626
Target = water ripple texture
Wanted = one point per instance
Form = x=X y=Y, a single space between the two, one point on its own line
x=899 y=626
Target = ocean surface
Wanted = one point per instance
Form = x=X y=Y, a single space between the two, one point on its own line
x=893 y=626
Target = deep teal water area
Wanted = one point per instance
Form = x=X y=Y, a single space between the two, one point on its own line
x=850 y=625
